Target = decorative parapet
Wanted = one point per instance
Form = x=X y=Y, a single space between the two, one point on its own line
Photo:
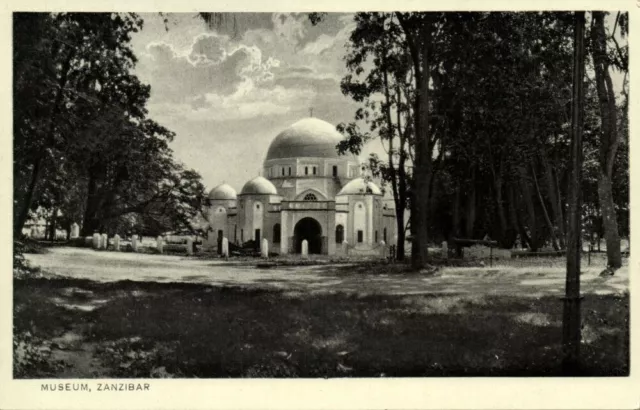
x=308 y=205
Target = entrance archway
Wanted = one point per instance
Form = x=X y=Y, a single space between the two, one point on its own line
x=309 y=229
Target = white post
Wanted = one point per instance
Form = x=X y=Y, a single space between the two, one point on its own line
x=225 y=247
x=75 y=231
x=345 y=248
x=96 y=241
x=445 y=250
x=104 y=241
x=116 y=242
x=189 y=246
x=383 y=249
x=305 y=249
x=159 y=244
x=134 y=242
x=264 y=248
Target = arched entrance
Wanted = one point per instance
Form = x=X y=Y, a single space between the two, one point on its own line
x=309 y=229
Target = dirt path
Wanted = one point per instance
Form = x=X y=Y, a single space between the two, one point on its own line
x=505 y=279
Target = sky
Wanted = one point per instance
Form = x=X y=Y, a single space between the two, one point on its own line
x=227 y=94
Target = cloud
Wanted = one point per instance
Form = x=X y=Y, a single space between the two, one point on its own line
x=208 y=48
x=289 y=27
x=266 y=72
x=322 y=43
x=248 y=101
x=211 y=65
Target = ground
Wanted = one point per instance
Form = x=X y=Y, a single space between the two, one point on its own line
x=107 y=314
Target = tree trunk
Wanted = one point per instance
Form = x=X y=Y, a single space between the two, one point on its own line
x=399 y=203
x=609 y=139
x=532 y=223
x=609 y=219
x=470 y=219
x=53 y=223
x=554 y=199
x=544 y=210
x=502 y=217
x=515 y=221
x=90 y=223
x=402 y=185
x=419 y=41
x=400 y=233
x=456 y=213
x=571 y=321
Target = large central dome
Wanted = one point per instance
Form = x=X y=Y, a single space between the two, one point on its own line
x=309 y=137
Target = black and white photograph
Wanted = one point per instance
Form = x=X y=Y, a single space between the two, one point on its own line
x=319 y=195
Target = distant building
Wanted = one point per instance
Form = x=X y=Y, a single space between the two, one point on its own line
x=308 y=192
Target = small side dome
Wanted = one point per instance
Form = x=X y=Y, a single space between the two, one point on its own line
x=259 y=186
x=359 y=186
x=222 y=192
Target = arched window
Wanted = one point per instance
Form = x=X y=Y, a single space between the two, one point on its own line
x=376 y=237
x=310 y=197
x=339 y=234
x=306 y=170
x=384 y=235
x=276 y=233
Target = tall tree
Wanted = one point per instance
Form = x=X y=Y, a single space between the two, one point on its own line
x=571 y=314
x=609 y=137
x=418 y=31
x=383 y=90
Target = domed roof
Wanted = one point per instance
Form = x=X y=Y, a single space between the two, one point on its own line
x=309 y=137
x=259 y=186
x=359 y=186
x=222 y=192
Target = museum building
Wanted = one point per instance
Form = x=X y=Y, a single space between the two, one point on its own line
x=308 y=191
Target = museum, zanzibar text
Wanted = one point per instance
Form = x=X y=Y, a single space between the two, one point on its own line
x=99 y=387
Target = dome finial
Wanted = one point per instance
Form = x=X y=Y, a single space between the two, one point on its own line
x=311 y=112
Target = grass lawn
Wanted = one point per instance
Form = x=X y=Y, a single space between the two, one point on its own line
x=80 y=328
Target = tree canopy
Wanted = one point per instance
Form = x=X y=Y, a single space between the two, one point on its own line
x=84 y=146
x=496 y=111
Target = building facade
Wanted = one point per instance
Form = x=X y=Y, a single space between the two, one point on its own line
x=308 y=192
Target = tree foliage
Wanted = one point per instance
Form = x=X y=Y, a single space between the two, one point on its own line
x=495 y=133
x=84 y=146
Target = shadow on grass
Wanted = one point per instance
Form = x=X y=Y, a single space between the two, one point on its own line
x=192 y=330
